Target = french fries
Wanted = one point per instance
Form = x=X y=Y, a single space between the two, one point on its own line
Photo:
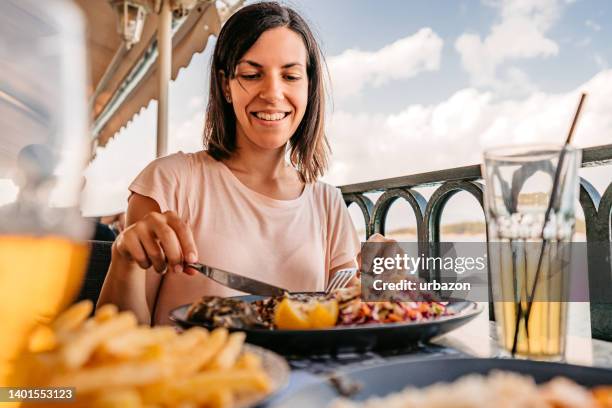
x=203 y=387
x=78 y=348
x=603 y=395
x=113 y=362
x=228 y=356
x=106 y=312
x=137 y=341
x=186 y=363
x=72 y=317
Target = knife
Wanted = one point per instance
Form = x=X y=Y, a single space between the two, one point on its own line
x=237 y=282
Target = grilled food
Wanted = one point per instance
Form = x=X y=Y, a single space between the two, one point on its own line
x=342 y=307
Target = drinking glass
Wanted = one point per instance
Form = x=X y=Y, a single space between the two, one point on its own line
x=530 y=225
x=43 y=150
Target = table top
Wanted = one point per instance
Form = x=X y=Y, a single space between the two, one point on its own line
x=478 y=338
x=475 y=339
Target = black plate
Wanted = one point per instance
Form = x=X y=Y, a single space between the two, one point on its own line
x=348 y=339
x=392 y=377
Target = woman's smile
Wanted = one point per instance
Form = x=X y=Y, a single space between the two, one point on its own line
x=271 y=118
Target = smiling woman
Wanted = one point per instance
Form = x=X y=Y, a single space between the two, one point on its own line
x=240 y=205
x=273 y=67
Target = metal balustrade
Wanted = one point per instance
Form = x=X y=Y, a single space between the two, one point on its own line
x=428 y=213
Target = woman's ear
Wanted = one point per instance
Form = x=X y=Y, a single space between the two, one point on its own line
x=225 y=86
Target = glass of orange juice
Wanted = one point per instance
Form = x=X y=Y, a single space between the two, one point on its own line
x=43 y=150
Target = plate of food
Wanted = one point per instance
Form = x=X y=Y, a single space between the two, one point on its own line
x=317 y=323
x=460 y=383
x=109 y=360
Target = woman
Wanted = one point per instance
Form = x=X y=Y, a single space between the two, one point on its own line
x=238 y=205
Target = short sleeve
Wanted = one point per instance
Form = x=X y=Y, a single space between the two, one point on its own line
x=164 y=180
x=344 y=244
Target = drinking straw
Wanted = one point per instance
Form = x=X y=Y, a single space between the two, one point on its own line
x=549 y=208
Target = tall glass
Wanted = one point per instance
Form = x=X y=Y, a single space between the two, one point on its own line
x=530 y=227
x=43 y=149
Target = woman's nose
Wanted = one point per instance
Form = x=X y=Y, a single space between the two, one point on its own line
x=272 y=90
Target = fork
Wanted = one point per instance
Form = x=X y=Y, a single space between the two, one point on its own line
x=340 y=279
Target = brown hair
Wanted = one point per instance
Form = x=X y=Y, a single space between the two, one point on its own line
x=309 y=149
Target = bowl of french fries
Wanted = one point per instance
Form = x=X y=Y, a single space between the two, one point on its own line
x=111 y=361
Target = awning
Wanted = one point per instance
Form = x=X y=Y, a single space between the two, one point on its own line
x=131 y=85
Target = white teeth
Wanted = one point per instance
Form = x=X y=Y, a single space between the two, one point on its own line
x=270 y=116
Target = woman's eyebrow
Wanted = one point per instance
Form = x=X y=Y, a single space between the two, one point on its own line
x=253 y=63
x=257 y=65
x=292 y=64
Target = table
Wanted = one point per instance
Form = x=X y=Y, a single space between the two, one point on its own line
x=475 y=339
x=478 y=338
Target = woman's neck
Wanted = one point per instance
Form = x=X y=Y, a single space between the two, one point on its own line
x=262 y=164
x=269 y=165
x=265 y=171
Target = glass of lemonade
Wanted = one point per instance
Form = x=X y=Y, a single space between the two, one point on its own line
x=529 y=244
x=43 y=150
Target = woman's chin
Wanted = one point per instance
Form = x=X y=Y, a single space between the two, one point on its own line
x=270 y=144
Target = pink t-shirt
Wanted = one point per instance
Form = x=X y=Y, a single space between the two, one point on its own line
x=289 y=243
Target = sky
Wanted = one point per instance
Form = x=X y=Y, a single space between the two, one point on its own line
x=417 y=86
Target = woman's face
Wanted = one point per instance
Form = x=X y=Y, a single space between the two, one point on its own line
x=269 y=92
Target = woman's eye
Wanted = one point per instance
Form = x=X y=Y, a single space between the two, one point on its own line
x=249 y=76
x=293 y=77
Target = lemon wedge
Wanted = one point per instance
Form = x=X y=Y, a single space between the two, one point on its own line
x=294 y=315
x=324 y=314
x=289 y=315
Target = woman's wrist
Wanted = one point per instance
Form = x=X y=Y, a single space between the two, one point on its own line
x=121 y=265
x=124 y=286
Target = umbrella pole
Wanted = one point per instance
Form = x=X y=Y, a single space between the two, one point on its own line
x=164 y=39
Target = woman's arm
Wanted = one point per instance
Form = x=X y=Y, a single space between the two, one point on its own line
x=125 y=282
x=150 y=239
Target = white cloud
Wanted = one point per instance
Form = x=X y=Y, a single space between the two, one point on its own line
x=520 y=34
x=353 y=70
x=453 y=133
x=592 y=25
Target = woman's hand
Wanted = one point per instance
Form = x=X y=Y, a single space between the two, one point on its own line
x=161 y=240
x=389 y=248
x=365 y=262
x=356 y=280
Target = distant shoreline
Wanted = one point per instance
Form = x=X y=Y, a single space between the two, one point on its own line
x=468 y=228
